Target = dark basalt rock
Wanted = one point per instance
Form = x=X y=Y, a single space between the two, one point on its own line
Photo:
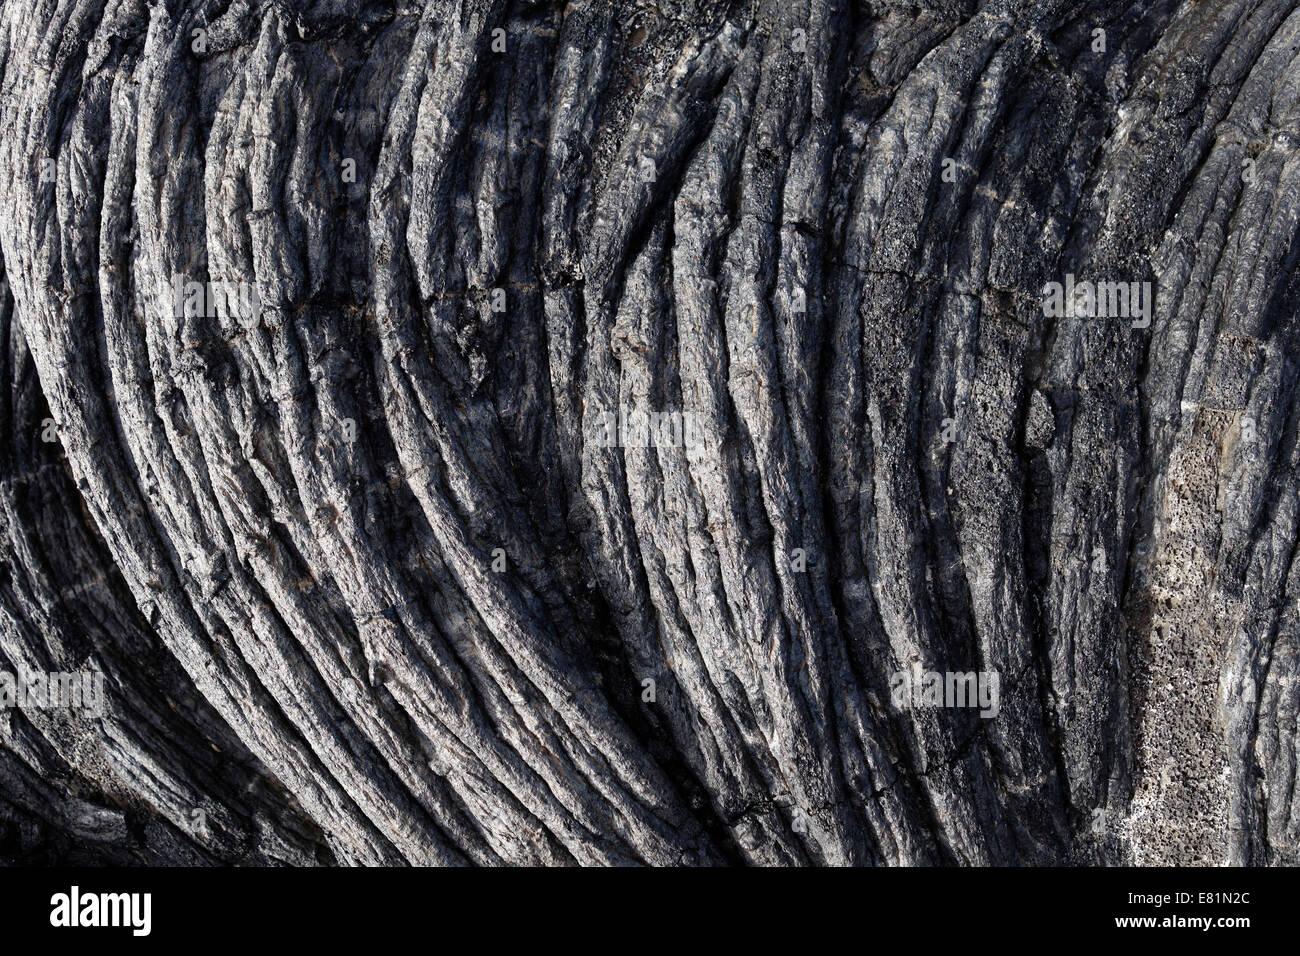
x=368 y=575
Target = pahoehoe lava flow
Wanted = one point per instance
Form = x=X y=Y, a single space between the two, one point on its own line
x=666 y=432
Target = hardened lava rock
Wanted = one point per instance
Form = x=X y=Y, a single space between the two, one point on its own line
x=317 y=317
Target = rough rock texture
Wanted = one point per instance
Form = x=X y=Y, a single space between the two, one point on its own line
x=366 y=587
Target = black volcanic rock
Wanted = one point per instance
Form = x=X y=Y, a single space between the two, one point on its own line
x=329 y=341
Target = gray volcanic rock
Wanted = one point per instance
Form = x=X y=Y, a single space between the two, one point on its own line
x=329 y=344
